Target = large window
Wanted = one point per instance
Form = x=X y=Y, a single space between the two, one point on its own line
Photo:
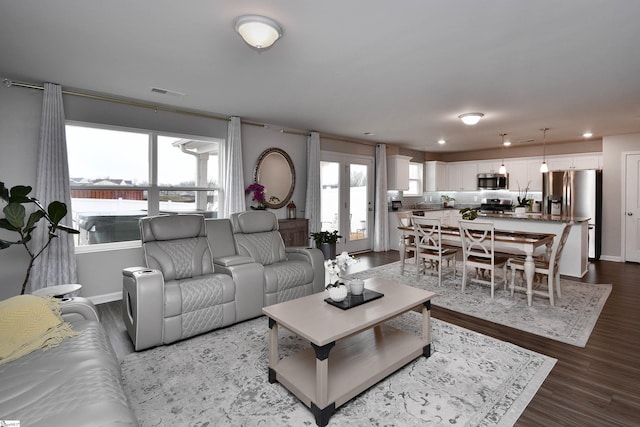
x=120 y=175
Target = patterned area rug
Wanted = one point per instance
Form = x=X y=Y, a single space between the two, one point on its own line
x=220 y=379
x=570 y=321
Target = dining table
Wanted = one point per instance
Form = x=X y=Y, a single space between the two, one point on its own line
x=510 y=241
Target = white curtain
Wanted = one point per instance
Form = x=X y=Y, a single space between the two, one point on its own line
x=233 y=175
x=57 y=264
x=381 y=223
x=312 y=202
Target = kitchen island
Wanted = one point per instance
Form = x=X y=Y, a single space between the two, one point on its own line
x=575 y=256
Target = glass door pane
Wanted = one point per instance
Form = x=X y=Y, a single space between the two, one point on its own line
x=330 y=196
x=358 y=202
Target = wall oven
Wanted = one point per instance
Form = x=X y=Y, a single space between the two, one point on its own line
x=493 y=181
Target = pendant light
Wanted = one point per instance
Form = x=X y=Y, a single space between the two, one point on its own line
x=503 y=168
x=543 y=167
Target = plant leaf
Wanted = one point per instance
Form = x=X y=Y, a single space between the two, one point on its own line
x=15 y=213
x=57 y=211
x=7 y=225
x=4 y=244
x=19 y=194
x=33 y=218
x=4 y=192
x=68 y=229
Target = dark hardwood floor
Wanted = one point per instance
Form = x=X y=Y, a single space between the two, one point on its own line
x=598 y=385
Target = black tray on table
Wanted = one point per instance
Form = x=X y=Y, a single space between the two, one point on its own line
x=355 y=300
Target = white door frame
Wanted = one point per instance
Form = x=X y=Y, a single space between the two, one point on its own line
x=623 y=196
x=345 y=160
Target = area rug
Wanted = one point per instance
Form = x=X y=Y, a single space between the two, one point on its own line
x=571 y=320
x=220 y=379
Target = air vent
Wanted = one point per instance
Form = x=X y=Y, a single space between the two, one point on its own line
x=166 y=92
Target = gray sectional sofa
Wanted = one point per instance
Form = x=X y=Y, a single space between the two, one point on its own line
x=78 y=383
x=203 y=275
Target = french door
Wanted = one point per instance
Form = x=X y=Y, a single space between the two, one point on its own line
x=347 y=199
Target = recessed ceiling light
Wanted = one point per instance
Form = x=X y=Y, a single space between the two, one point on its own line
x=442 y=141
x=470 y=118
x=507 y=143
x=587 y=134
x=369 y=133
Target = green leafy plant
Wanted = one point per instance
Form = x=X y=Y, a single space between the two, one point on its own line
x=523 y=199
x=325 y=237
x=16 y=220
x=468 y=214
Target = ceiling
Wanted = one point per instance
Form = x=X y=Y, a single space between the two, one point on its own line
x=401 y=70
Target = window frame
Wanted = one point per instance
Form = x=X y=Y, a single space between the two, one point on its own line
x=419 y=180
x=153 y=189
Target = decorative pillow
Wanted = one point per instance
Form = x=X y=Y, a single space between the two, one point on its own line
x=27 y=323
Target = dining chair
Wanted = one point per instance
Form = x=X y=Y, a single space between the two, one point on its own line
x=428 y=240
x=478 y=251
x=407 y=243
x=544 y=267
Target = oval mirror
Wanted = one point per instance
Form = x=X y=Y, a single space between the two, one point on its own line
x=274 y=170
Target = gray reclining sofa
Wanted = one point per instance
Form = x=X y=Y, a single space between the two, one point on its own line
x=77 y=383
x=203 y=275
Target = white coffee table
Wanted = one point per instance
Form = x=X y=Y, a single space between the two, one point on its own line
x=351 y=350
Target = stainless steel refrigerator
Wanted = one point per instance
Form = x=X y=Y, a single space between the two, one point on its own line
x=576 y=193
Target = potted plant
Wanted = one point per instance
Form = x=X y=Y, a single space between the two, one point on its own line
x=257 y=191
x=326 y=242
x=447 y=201
x=16 y=214
x=468 y=214
x=523 y=200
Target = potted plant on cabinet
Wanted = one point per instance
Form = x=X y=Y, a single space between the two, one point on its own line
x=16 y=214
x=326 y=242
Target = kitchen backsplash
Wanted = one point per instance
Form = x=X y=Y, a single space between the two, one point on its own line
x=463 y=199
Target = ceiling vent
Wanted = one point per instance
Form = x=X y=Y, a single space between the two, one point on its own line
x=166 y=92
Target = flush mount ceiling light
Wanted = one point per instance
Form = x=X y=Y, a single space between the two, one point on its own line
x=258 y=31
x=587 y=134
x=503 y=168
x=544 y=167
x=470 y=118
x=442 y=141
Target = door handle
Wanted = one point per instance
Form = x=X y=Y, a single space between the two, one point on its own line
x=630 y=213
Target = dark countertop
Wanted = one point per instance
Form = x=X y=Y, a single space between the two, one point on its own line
x=535 y=217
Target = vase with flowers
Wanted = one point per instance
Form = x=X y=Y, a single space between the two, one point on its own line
x=257 y=195
x=337 y=288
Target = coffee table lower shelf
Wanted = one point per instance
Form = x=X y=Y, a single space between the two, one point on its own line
x=356 y=363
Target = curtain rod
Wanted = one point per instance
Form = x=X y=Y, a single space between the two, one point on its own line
x=9 y=83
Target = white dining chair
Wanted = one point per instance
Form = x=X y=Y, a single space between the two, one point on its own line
x=478 y=251
x=407 y=243
x=544 y=267
x=428 y=240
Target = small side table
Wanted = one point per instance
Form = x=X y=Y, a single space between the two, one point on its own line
x=57 y=291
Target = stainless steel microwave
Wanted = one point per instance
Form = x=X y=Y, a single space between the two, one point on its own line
x=493 y=181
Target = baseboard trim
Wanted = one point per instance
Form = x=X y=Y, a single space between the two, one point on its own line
x=101 y=299
x=610 y=258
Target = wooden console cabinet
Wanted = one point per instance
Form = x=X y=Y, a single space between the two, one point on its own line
x=294 y=232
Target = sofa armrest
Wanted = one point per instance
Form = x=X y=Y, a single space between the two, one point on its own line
x=78 y=308
x=249 y=280
x=231 y=260
x=143 y=306
x=314 y=257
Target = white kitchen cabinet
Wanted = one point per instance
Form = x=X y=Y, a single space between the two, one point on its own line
x=489 y=166
x=436 y=176
x=534 y=175
x=518 y=174
x=398 y=172
x=462 y=176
